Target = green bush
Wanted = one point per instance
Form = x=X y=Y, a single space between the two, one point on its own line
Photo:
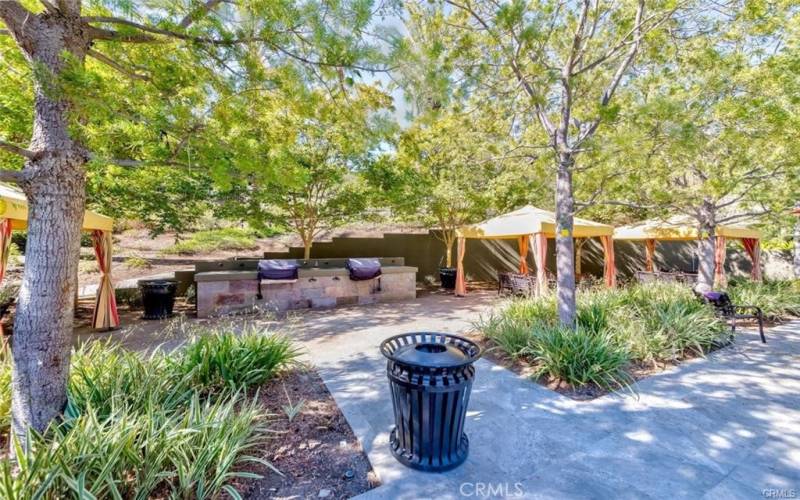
x=642 y=324
x=214 y=240
x=167 y=424
x=226 y=360
x=579 y=357
x=778 y=299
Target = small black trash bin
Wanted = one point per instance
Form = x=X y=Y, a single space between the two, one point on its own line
x=430 y=377
x=447 y=276
x=158 y=298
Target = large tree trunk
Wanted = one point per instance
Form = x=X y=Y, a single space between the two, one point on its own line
x=706 y=246
x=565 y=257
x=54 y=182
x=307 y=249
x=797 y=242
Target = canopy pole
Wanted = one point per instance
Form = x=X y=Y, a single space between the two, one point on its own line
x=649 y=254
x=609 y=269
x=540 y=258
x=719 y=262
x=461 y=284
x=753 y=248
x=106 y=316
x=523 y=254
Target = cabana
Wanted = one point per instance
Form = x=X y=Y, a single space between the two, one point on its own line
x=534 y=225
x=14 y=215
x=682 y=228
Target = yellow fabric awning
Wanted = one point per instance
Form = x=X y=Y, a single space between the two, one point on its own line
x=14 y=206
x=530 y=220
x=679 y=228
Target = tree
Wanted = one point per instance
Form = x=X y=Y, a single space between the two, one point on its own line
x=325 y=141
x=180 y=60
x=716 y=132
x=446 y=174
x=559 y=65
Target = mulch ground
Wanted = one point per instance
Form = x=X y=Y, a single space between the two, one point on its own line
x=316 y=452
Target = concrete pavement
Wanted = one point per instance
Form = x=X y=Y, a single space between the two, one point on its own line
x=727 y=426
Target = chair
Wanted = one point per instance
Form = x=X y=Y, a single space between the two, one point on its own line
x=515 y=284
x=724 y=308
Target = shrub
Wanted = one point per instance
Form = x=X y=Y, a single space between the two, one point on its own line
x=579 y=357
x=778 y=299
x=135 y=454
x=137 y=426
x=219 y=360
x=136 y=262
x=228 y=239
x=641 y=323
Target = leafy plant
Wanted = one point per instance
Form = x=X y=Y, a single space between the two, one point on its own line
x=579 y=357
x=217 y=360
x=166 y=424
x=778 y=299
x=292 y=410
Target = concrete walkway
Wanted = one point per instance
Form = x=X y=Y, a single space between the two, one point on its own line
x=725 y=427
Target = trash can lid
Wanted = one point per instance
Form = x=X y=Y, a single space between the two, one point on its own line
x=430 y=350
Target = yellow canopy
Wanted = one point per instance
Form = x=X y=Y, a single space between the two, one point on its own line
x=14 y=206
x=679 y=228
x=530 y=220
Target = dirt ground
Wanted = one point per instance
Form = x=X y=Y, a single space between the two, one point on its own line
x=316 y=451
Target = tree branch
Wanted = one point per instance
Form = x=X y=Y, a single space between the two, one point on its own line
x=198 y=13
x=13 y=148
x=15 y=176
x=117 y=66
x=14 y=15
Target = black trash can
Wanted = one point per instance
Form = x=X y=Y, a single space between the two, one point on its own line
x=430 y=377
x=447 y=276
x=158 y=298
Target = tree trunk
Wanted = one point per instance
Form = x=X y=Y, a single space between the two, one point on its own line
x=565 y=257
x=448 y=245
x=797 y=243
x=307 y=248
x=54 y=183
x=706 y=246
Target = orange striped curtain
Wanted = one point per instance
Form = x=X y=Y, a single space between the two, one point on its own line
x=753 y=248
x=105 y=315
x=523 y=255
x=5 y=245
x=461 y=284
x=540 y=258
x=610 y=268
x=719 y=262
x=649 y=254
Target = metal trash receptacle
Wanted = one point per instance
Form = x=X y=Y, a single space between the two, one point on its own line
x=158 y=298
x=430 y=377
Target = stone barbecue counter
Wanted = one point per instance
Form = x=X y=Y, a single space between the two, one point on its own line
x=229 y=290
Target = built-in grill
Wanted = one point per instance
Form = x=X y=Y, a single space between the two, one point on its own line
x=276 y=270
x=363 y=269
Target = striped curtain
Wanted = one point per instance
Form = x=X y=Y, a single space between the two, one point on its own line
x=753 y=248
x=609 y=268
x=540 y=258
x=5 y=245
x=523 y=255
x=649 y=254
x=105 y=315
x=461 y=284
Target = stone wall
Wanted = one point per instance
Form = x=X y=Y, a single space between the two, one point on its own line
x=238 y=291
